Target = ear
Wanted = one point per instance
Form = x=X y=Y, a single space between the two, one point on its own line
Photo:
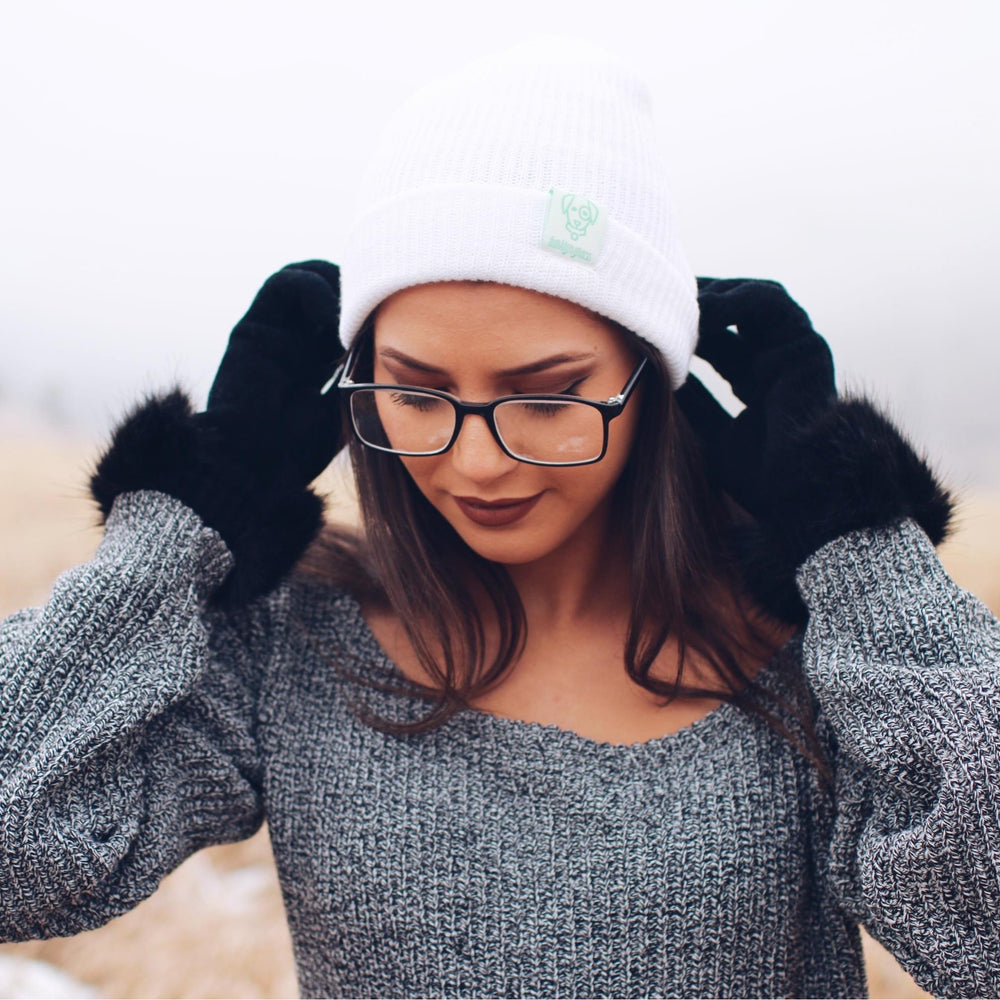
x=567 y=202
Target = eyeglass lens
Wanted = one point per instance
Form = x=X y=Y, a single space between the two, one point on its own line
x=420 y=424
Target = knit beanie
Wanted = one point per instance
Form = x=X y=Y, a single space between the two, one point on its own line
x=535 y=167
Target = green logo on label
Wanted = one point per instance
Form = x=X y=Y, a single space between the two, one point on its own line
x=574 y=226
x=581 y=214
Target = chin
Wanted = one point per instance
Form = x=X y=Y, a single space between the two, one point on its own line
x=508 y=547
x=538 y=536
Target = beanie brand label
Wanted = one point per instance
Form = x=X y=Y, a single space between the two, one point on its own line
x=574 y=226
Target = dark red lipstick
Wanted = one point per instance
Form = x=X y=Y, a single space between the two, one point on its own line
x=496 y=513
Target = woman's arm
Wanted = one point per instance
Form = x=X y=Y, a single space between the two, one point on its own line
x=905 y=666
x=127 y=713
x=128 y=703
x=906 y=669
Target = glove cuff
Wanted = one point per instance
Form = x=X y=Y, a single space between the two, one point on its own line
x=850 y=469
x=267 y=525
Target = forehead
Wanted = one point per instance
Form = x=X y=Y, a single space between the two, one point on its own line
x=489 y=322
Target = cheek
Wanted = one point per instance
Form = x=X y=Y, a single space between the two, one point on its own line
x=585 y=486
x=621 y=440
x=421 y=470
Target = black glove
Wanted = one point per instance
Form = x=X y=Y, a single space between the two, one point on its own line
x=807 y=466
x=244 y=464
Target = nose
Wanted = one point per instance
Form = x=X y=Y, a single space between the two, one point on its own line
x=477 y=455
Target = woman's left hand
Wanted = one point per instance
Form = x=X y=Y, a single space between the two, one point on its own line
x=806 y=465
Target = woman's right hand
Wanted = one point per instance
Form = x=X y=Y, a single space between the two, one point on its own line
x=245 y=463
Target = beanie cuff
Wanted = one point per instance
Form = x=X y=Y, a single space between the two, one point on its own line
x=494 y=233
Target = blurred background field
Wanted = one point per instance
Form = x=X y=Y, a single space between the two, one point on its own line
x=216 y=926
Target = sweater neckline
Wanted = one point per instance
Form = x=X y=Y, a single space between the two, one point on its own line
x=543 y=737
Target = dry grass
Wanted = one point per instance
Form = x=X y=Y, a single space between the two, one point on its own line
x=216 y=926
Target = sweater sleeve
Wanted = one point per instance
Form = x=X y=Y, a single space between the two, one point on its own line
x=127 y=713
x=905 y=667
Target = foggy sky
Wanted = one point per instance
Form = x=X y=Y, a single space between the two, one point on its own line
x=159 y=161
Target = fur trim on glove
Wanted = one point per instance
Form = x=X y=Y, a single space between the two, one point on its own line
x=851 y=469
x=163 y=445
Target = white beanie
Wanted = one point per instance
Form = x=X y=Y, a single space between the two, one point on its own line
x=536 y=167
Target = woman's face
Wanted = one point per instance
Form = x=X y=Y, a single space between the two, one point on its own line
x=468 y=339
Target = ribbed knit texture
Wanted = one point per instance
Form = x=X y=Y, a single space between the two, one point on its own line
x=458 y=187
x=493 y=857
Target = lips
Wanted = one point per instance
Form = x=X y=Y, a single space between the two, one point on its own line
x=496 y=513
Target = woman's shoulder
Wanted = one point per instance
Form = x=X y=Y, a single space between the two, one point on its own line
x=338 y=560
x=317 y=601
x=316 y=604
x=323 y=596
x=780 y=686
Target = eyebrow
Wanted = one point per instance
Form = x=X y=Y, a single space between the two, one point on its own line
x=532 y=368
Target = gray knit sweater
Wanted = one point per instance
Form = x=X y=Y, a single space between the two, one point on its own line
x=493 y=857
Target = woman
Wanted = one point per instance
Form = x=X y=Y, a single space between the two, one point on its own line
x=573 y=716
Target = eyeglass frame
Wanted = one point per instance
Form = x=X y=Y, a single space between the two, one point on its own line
x=610 y=408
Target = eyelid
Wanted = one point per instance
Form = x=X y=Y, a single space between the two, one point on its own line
x=570 y=389
x=419 y=380
x=571 y=381
x=427 y=381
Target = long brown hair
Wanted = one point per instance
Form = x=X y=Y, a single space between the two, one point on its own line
x=684 y=582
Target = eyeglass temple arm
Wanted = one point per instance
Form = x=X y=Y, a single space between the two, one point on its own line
x=627 y=388
x=340 y=373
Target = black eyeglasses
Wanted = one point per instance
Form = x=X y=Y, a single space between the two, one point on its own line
x=543 y=429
